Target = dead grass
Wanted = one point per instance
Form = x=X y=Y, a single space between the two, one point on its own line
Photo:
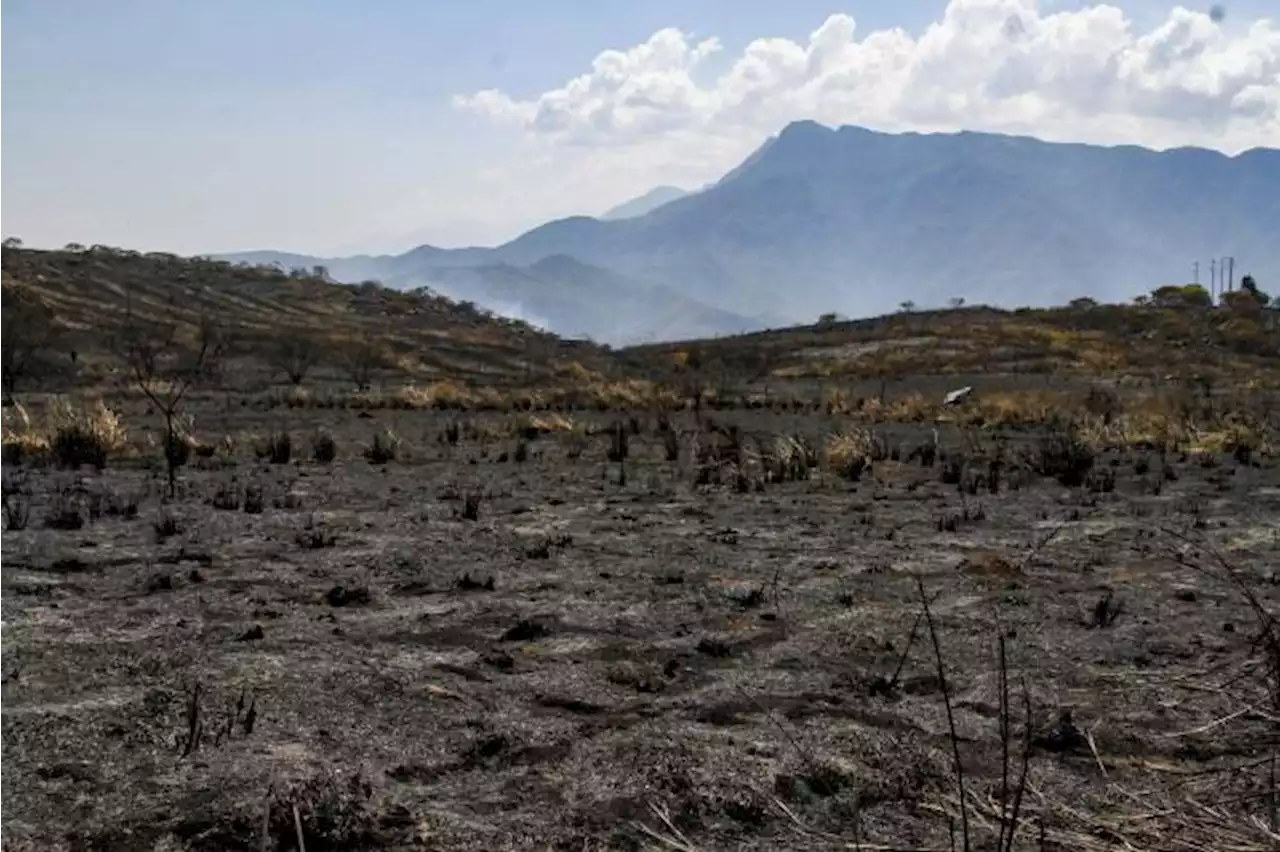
x=62 y=418
x=594 y=393
x=1106 y=341
x=848 y=452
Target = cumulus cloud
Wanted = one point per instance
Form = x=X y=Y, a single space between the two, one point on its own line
x=997 y=65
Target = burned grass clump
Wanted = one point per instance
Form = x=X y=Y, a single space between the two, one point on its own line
x=79 y=444
x=201 y=727
x=166 y=526
x=276 y=449
x=324 y=448
x=467 y=583
x=471 y=505
x=340 y=596
x=255 y=500
x=953 y=468
x=66 y=512
x=332 y=812
x=788 y=459
x=849 y=454
x=314 y=536
x=1063 y=455
x=104 y=501
x=619 y=443
x=384 y=449
x=15 y=490
x=527 y=630
x=670 y=438
x=228 y=498
x=955 y=521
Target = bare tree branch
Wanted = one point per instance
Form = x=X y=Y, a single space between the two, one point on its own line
x=166 y=359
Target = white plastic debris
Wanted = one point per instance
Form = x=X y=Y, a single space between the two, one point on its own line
x=957 y=396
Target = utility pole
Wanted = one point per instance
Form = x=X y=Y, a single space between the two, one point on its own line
x=1195 y=272
x=1213 y=278
x=1231 y=278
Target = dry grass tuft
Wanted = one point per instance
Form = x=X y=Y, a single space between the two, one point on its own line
x=61 y=421
x=848 y=452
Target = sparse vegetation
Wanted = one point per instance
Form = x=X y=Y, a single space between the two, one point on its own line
x=705 y=632
x=294 y=354
x=384 y=448
x=324 y=449
x=165 y=363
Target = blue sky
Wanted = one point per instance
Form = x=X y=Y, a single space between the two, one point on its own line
x=324 y=126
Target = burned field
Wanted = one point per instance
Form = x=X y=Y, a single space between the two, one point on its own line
x=756 y=627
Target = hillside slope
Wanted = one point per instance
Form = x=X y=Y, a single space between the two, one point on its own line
x=556 y=292
x=424 y=333
x=579 y=300
x=1098 y=343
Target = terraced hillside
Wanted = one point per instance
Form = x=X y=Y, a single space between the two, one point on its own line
x=417 y=335
x=1085 y=342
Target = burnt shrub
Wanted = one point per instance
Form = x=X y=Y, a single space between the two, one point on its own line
x=324 y=449
x=278 y=448
x=1061 y=455
x=76 y=444
x=384 y=449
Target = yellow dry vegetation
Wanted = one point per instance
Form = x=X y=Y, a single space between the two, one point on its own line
x=62 y=416
x=1171 y=419
x=584 y=389
x=908 y=408
x=554 y=422
x=847 y=448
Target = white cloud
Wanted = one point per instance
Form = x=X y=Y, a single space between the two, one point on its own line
x=997 y=65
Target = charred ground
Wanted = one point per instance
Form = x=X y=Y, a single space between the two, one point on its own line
x=684 y=613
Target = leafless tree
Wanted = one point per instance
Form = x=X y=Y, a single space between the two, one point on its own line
x=361 y=360
x=30 y=339
x=294 y=355
x=166 y=358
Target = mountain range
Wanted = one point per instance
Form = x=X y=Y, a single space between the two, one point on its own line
x=650 y=201
x=856 y=221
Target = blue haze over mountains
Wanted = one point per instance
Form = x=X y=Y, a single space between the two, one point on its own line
x=856 y=221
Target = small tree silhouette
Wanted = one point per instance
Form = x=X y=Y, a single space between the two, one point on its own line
x=294 y=355
x=8 y=247
x=361 y=360
x=167 y=358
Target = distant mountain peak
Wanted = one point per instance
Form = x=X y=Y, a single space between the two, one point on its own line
x=647 y=203
x=856 y=220
x=805 y=128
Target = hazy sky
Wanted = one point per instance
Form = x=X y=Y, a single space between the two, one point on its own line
x=322 y=126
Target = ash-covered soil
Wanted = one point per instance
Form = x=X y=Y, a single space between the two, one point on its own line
x=462 y=650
